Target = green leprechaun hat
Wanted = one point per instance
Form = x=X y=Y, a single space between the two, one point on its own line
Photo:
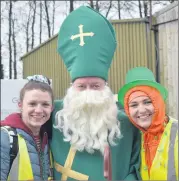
x=140 y=76
x=86 y=43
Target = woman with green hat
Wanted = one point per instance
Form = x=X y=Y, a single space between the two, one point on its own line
x=144 y=103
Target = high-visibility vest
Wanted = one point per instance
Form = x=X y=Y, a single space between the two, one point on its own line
x=165 y=163
x=21 y=168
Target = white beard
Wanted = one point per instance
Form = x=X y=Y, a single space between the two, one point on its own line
x=88 y=119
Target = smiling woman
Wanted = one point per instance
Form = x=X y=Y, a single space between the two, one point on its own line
x=31 y=129
x=36 y=108
x=144 y=103
x=141 y=109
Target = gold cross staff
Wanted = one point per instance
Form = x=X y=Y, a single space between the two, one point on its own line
x=81 y=35
x=66 y=170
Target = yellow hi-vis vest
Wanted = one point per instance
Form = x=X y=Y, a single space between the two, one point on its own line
x=165 y=163
x=21 y=167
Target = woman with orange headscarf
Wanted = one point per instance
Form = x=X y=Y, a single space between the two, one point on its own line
x=144 y=103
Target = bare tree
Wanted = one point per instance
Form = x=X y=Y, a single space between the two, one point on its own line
x=140 y=8
x=119 y=8
x=0 y=52
x=97 y=5
x=53 y=17
x=171 y=1
x=47 y=18
x=26 y=24
x=2 y=71
x=71 y=5
x=33 y=23
x=94 y=4
x=108 y=9
x=15 y=51
x=40 y=25
x=145 y=3
x=1 y=68
x=128 y=6
x=27 y=30
x=91 y=4
x=9 y=39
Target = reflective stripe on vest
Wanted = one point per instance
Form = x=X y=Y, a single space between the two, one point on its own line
x=171 y=158
x=51 y=166
x=21 y=168
x=164 y=167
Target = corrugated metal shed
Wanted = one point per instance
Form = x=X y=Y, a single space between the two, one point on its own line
x=135 y=47
x=45 y=60
x=167 y=25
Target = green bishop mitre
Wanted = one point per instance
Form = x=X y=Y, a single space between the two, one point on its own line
x=86 y=43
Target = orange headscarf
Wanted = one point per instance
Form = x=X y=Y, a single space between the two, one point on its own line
x=153 y=134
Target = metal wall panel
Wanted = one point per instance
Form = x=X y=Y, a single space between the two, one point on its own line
x=167 y=24
x=135 y=47
x=45 y=60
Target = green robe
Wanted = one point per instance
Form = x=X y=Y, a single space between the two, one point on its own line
x=125 y=156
